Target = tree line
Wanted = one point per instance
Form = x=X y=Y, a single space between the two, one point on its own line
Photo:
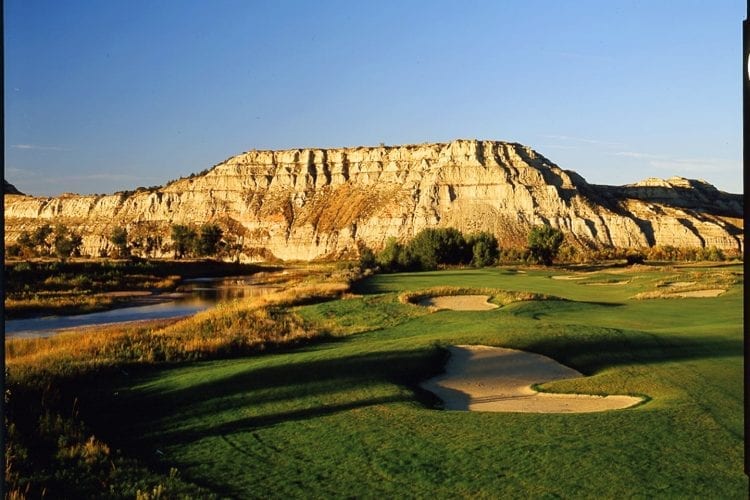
x=46 y=241
x=187 y=241
x=61 y=242
x=435 y=247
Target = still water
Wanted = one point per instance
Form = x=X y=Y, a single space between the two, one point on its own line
x=195 y=295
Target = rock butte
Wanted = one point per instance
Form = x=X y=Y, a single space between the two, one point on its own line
x=321 y=203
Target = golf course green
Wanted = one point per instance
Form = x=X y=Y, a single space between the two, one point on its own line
x=345 y=417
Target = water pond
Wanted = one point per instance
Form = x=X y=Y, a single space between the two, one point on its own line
x=192 y=296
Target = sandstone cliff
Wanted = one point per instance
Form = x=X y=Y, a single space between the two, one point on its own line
x=313 y=203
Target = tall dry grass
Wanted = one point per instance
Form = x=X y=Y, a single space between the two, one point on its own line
x=238 y=327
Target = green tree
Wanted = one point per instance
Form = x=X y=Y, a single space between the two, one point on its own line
x=119 y=239
x=65 y=243
x=39 y=239
x=183 y=238
x=484 y=249
x=432 y=247
x=544 y=243
x=152 y=244
x=394 y=257
x=367 y=259
x=26 y=244
x=207 y=243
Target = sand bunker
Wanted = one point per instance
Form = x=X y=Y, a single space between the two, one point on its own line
x=714 y=292
x=567 y=277
x=459 y=302
x=482 y=378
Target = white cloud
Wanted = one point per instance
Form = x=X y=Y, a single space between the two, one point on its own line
x=638 y=156
x=37 y=147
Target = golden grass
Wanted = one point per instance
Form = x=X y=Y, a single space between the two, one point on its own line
x=692 y=284
x=238 y=327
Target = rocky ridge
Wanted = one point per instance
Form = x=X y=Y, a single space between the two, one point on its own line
x=321 y=203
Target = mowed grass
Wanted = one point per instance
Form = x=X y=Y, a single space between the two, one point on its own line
x=345 y=418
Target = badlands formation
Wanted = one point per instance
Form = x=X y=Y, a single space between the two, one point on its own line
x=322 y=203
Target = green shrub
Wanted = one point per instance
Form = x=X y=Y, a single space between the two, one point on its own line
x=432 y=247
x=119 y=239
x=208 y=241
x=544 y=244
x=394 y=257
x=184 y=239
x=367 y=258
x=484 y=249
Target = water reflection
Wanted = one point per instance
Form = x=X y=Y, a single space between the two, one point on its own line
x=194 y=295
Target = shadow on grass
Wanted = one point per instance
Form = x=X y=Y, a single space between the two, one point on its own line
x=271 y=395
x=611 y=348
x=237 y=396
x=383 y=283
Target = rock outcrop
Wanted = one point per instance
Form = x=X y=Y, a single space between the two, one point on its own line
x=317 y=203
x=9 y=188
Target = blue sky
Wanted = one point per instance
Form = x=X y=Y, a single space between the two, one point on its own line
x=110 y=95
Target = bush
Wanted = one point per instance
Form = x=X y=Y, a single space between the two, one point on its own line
x=39 y=239
x=634 y=257
x=367 y=259
x=119 y=239
x=207 y=243
x=484 y=249
x=184 y=239
x=66 y=243
x=394 y=257
x=13 y=250
x=432 y=247
x=544 y=244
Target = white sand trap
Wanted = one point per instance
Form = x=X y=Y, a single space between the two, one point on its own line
x=715 y=292
x=567 y=277
x=482 y=378
x=459 y=302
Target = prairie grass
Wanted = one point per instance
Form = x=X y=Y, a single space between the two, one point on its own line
x=49 y=448
x=233 y=328
x=688 y=280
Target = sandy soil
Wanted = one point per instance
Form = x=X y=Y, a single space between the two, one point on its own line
x=459 y=302
x=714 y=292
x=482 y=378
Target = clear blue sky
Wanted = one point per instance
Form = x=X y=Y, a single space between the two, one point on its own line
x=110 y=95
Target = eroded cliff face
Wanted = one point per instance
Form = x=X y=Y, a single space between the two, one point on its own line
x=317 y=203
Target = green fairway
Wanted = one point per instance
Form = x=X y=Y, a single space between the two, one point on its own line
x=345 y=417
